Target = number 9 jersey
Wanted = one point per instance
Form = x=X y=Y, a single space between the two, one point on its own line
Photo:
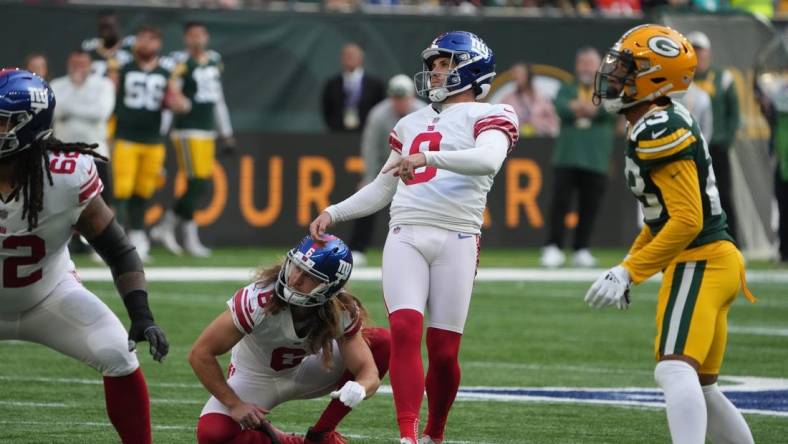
x=436 y=196
x=33 y=262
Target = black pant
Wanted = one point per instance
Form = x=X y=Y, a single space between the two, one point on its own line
x=363 y=229
x=781 y=193
x=590 y=187
x=720 y=160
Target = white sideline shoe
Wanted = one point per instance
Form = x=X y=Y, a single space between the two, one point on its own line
x=552 y=256
x=139 y=239
x=164 y=232
x=583 y=259
x=191 y=240
x=359 y=258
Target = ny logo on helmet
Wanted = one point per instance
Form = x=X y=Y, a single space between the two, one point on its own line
x=664 y=46
x=343 y=272
x=39 y=99
x=478 y=45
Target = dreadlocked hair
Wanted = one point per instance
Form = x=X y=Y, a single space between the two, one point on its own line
x=30 y=168
x=326 y=323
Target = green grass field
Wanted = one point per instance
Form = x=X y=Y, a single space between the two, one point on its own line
x=518 y=335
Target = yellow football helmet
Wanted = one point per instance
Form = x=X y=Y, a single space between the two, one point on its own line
x=648 y=62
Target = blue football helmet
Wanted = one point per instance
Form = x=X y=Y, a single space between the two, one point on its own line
x=27 y=106
x=473 y=62
x=329 y=261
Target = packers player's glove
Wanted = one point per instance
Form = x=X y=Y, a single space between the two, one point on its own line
x=143 y=328
x=611 y=288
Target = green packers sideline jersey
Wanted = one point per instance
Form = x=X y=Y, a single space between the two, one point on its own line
x=667 y=135
x=100 y=58
x=139 y=103
x=202 y=84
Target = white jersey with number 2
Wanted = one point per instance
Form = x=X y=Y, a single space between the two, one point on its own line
x=32 y=263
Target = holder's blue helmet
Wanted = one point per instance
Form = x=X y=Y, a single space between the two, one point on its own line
x=27 y=107
x=472 y=61
x=328 y=260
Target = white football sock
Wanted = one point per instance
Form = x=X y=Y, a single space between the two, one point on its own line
x=684 y=402
x=726 y=423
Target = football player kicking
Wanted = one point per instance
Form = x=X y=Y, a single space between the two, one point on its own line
x=446 y=156
x=48 y=189
x=295 y=333
x=668 y=169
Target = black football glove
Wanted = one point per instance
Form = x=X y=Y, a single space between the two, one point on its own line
x=229 y=146
x=143 y=328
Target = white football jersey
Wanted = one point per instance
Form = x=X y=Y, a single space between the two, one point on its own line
x=440 y=197
x=270 y=342
x=34 y=262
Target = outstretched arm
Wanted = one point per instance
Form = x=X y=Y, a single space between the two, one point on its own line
x=98 y=225
x=369 y=199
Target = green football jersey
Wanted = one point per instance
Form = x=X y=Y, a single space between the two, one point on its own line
x=101 y=59
x=202 y=84
x=667 y=135
x=139 y=103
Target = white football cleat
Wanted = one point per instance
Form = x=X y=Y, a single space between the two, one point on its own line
x=139 y=239
x=426 y=439
x=191 y=240
x=583 y=259
x=406 y=441
x=359 y=258
x=164 y=232
x=552 y=256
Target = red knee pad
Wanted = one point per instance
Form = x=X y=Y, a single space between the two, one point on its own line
x=216 y=428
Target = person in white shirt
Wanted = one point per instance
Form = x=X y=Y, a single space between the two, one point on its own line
x=84 y=105
x=443 y=161
x=698 y=102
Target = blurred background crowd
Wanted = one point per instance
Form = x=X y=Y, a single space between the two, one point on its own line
x=94 y=82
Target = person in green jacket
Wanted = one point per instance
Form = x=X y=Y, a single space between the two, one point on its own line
x=718 y=83
x=581 y=161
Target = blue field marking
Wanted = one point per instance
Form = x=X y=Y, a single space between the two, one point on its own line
x=773 y=402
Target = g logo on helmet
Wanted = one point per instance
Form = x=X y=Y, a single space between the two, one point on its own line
x=664 y=46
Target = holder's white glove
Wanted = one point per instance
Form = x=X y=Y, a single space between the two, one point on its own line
x=612 y=288
x=351 y=394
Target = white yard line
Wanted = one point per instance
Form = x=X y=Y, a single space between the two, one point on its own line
x=242 y=274
x=758 y=330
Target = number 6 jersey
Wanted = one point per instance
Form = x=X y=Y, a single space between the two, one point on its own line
x=270 y=342
x=439 y=197
x=33 y=262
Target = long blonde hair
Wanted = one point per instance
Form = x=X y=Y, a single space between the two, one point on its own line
x=326 y=322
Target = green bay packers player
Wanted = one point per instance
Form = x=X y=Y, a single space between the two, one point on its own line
x=668 y=169
x=198 y=73
x=144 y=90
x=108 y=45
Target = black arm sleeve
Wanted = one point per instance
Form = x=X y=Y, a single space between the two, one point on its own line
x=114 y=247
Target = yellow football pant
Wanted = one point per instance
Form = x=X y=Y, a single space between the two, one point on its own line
x=697 y=291
x=195 y=156
x=136 y=168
